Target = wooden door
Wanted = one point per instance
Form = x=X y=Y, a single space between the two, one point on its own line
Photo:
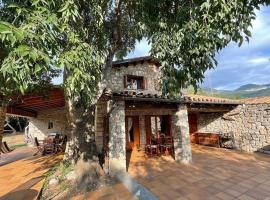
x=193 y=128
x=132 y=132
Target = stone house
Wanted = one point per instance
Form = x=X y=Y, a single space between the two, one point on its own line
x=133 y=109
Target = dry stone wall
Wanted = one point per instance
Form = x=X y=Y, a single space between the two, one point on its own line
x=249 y=124
x=39 y=126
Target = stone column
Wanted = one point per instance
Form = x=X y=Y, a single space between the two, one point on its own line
x=117 y=142
x=182 y=147
x=142 y=131
x=2 y=123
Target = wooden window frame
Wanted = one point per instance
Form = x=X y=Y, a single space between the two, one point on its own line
x=143 y=81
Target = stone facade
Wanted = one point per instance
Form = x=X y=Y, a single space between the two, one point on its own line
x=39 y=126
x=117 y=140
x=101 y=111
x=150 y=71
x=249 y=124
x=181 y=137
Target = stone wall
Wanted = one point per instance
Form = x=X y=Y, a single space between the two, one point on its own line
x=38 y=127
x=149 y=71
x=101 y=111
x=249 y=124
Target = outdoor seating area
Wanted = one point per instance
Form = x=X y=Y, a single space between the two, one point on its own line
x=160 y=144
x=52 y=144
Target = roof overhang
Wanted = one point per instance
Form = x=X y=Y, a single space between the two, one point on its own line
x=30 y=104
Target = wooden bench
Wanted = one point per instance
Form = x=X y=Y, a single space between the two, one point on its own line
x=209 y=139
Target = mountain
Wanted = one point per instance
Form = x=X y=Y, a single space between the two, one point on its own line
x=244 y=91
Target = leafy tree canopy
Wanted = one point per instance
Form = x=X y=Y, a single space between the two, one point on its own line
x=38 y=38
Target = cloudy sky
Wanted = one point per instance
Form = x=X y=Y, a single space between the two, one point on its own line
x=237 y=66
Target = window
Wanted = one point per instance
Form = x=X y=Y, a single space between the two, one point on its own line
x=134 y=82
x=50 y=125
x=159 y=125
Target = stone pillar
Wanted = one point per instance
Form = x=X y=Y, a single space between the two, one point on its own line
x=142 y=131
x=2 y=123
x=117 y=139
x=182 y=147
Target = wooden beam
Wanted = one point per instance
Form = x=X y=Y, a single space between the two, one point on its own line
x=20 y=112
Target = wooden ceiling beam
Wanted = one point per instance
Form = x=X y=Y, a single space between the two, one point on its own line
x=20 y=112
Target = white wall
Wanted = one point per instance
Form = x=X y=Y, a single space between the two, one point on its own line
x=38 y=127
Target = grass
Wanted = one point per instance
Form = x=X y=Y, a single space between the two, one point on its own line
x=60 y=169
x=18 y=146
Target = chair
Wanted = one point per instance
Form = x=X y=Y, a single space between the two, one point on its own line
x=152 y=149
x=40 y=148
x=61 y=147
x=167 y=145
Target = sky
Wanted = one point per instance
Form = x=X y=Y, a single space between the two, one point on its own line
x=237 y=66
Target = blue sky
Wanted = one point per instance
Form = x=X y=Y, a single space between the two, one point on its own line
x=237 y=66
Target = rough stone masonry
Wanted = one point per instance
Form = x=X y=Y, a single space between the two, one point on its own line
x=249 y=124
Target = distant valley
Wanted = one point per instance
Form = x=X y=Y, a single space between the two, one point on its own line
x=245 y=91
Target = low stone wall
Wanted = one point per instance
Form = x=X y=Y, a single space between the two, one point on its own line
x=39 y=126
x=249 y=124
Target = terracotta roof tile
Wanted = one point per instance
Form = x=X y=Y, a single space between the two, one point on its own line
x=207 y=99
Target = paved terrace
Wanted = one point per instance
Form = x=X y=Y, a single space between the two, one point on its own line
x=23 y=176
x=217 y=174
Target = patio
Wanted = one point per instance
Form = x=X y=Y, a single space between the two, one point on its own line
x=22 y=174
x=214 y=174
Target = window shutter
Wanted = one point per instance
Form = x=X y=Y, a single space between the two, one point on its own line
x=144 y=83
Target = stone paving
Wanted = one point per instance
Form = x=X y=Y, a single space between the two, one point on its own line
x=17 y=154
x=22 y=179
x=218 y=174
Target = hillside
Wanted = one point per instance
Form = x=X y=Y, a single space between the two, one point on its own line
x=245 y=91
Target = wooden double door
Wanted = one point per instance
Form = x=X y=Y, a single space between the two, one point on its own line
x=132 y=132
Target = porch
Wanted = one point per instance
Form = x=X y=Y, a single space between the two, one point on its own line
x=214 y=174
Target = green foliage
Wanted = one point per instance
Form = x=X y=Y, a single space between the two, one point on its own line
x=40 y=38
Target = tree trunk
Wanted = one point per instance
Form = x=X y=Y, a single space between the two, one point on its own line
x=81 y=137
x=81 y=122
x=2 y=122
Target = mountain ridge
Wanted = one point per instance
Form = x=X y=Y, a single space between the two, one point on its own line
x=245 y=91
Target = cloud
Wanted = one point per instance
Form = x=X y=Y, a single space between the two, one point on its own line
x=248 y=64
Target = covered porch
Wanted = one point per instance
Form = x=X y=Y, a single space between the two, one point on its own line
x=138 y=124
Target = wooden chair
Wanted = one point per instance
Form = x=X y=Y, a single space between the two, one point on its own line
x=61 y=147
x=40 y=148
x=167 y=145
x=152 y=149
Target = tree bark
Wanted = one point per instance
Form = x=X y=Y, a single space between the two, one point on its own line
x=2 y=122
x=81 y=121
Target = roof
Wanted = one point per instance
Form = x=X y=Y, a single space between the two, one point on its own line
x=258 y=100
x=207 y=99
x=136 y=60
x=29 y=105
x=139 y=96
